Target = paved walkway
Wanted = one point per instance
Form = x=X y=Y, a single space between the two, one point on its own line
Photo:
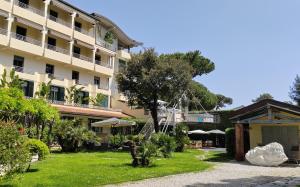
x=228 y=174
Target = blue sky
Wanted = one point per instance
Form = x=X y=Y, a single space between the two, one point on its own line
x=254 y=44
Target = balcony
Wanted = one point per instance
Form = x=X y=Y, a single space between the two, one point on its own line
x=26 y=44
x=59 y=25
x=3 y=37
x=82 y=61
x=5 y=5
x=105 y=69
x=124 y=55
x=106 y=45
x=28 y=12
x=84 y=35
x=100 y=63
x=58 y=54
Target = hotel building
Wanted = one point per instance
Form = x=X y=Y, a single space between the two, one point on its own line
x=52 y=39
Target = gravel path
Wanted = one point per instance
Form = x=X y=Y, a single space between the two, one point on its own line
x=229 y=174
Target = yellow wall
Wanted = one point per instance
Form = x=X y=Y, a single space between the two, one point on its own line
x=255 y=130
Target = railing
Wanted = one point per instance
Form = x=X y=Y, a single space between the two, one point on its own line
x=3 y=31
x=32 y=9
x=19 y=69
x=82 y=57
x=106 y=45
x=58 y=20
x=83 y=31
x=26 y=39
x=58 y=49
x=107 y=65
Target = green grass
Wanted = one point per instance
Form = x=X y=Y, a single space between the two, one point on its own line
x=96 y=169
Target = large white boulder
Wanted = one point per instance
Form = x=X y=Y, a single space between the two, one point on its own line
x=269 y=155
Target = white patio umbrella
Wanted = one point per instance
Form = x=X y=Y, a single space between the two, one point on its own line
x=197 y=132
x=113 y=122
x=216 y=131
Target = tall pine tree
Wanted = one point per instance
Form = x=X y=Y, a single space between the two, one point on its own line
x=295 y=91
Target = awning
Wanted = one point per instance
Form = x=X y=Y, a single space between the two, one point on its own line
x=216 y=131
x=197 y=132
x=113 y=122
x=90 y=112
x=62 y=6
x=84 y=44
x=29 y=23
x=3 y=13
x=60 y=35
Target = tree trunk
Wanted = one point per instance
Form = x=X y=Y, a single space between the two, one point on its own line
x=155 y=119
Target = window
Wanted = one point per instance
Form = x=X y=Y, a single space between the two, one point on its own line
x=27 y=87
x=21 y=33
x=53 y=15
x=18 y=63
x=76 y=52
x=97 y=81
x=57 y=93
x=51 y=43
x=82 y=98
x=50 y=70
x=24 y=3
x=75 y=76
x=98 y=59
x=78 y=26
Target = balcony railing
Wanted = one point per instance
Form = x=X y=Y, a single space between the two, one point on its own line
x=100 y=63
x=18 y=69
x=3 y=31
x=26 y=39
x=30 y=8
x=58 y=20
x=58 y=49
x=106 y=45
x=83 y=31
x=82 y=57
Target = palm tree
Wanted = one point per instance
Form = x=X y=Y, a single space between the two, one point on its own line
x=15 y=81
x=74 y=94
x=98 y=99
x=45 y=90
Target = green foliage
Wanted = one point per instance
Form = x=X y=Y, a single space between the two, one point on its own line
x=295 y=91
x=149 y=78
x=116 y=141
x=222 y=101
x=109 y=37
x=14 y=155
x=165 y=144
x=181 y=137
x=38 y=147
x=72 y=135
x=146 y=152
x=74 y=95
x=98 y=99
x=262 y=97
x=44 y=90
x=13 y=82
x=230 y=141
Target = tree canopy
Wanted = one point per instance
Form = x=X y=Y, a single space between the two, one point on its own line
x=149 y=78
x=262 y=97
x=295 y=91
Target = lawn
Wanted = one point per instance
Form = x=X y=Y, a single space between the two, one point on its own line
x=94 y=169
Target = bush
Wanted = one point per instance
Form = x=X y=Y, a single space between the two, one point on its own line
x=181 y=137
x=38 y=147
x=72 y=135
x=116 y=141
x=145 y=153
x=230 y=141
x=14 y=155
x=165 y=144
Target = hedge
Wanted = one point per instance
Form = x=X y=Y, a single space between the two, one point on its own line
x=230 y=141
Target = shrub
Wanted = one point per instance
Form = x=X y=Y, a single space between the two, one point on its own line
x=72 y=135
x=181 y=137
x=116 y=141
x=230 y=141
x=14 y=155
x=165 y=144
x=145 y=153
x=38 y=147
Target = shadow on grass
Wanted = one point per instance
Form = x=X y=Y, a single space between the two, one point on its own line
x=32 y=170
x=6 y=185
x=218 y=157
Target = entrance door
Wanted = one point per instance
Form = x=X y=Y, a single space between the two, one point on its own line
x=286 y=136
